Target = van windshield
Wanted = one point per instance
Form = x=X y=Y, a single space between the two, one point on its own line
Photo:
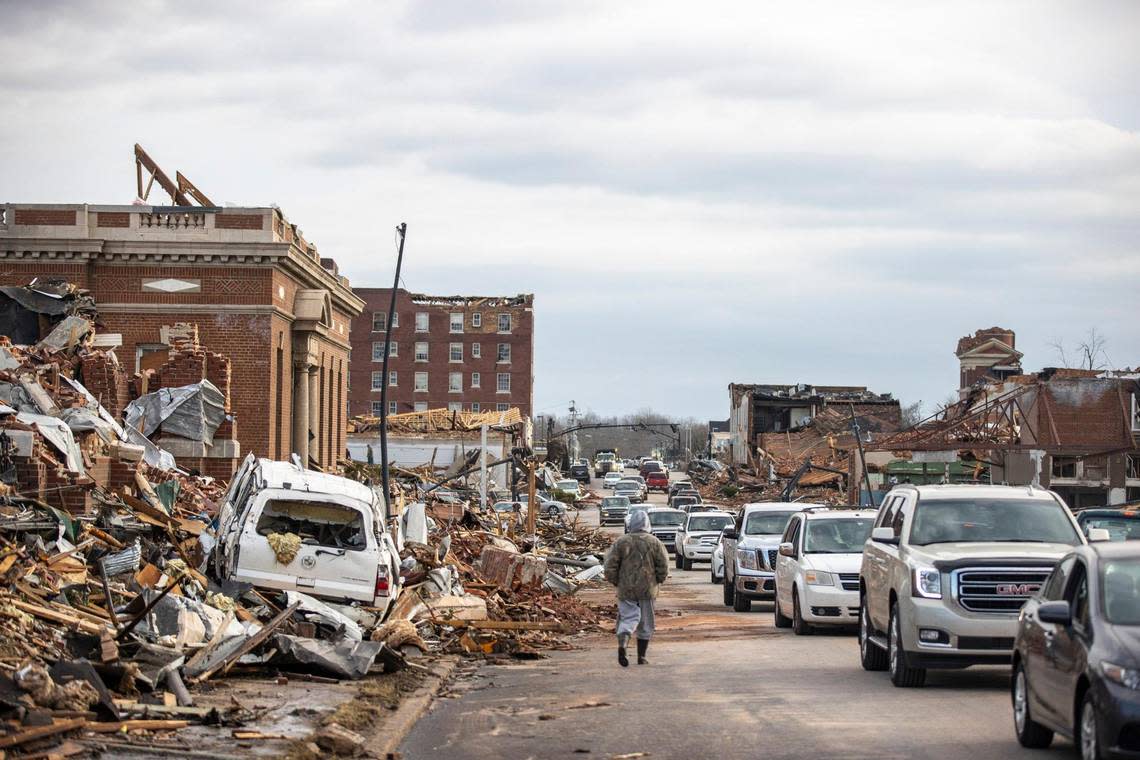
x=317 y=523
x=938 y=521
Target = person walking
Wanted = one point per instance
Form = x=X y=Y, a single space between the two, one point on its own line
x=637 y=564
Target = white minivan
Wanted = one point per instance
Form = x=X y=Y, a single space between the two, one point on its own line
x=345 y=554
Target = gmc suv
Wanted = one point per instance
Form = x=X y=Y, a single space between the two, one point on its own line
x=946 y=570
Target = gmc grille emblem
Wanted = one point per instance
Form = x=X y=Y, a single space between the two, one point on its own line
x=1017 y=589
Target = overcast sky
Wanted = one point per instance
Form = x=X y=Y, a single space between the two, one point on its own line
x=827 y=193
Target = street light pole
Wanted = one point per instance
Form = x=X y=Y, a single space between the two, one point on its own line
x=403 y=231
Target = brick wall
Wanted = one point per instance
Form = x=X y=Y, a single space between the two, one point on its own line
x=106 y=379
x=45 y=217
x=439 y=365
x=112 y=219
x=224 y=221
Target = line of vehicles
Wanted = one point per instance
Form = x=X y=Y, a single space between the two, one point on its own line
x=949 y=576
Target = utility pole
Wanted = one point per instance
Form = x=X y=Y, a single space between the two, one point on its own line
x=532 y=507
x=863 y=458
x=403 y=231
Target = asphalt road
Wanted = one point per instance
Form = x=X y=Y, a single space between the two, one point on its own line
x=719 y=684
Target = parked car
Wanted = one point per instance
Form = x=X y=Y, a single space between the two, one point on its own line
x=634 y=481
x=750 y=548
x=663 y=523
x=567 y=490
x=613 y=509
x=651 y=465
x=611 y=479
x=817 y=569
x=697 y=537
x=630 y=489
x=1076 y=658
x=580 y=472
x=346 y=553
x=1121 y=524
x=716 y=563
x=681 y=502
x=695 y=496
x=657 y=481
x=947 y=569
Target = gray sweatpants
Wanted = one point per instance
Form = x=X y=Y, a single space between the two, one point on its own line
x=636 y=615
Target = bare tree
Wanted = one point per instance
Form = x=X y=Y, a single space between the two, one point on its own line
x=1090 y=351
x=911 y=414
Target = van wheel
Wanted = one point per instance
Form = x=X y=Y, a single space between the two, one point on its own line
x=799 y=626
x=871 y=656
x=901 y=675
x=1030 y=733
x=779 y=619
x=727 y=591
x=740 y=603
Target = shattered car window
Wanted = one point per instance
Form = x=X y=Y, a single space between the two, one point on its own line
x=317 y=524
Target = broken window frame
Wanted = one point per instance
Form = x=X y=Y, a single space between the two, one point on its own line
x=1136 y=412
x=1132 y=466
x=361 y=520
x=421 y=387
x=1062 y=465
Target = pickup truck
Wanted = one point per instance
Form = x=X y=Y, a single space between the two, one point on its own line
x=750 y=548
x=947 y=569
x=657 y=481
x=1122 y=524
x=345 y=554
x=697 y=537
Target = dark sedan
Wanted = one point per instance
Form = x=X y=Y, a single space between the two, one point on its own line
x=1076 y=660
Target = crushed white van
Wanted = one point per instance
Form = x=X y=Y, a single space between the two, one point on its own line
x=285 y=527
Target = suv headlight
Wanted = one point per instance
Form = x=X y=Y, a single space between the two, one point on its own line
x=1127 y=677
x=747 y=559
x=818 y=578
x=927 y=583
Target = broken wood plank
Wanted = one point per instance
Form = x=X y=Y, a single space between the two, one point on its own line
x=39 y=732
x=510 y=625
x=58 y=617
x=138 y=725
x=250 y=644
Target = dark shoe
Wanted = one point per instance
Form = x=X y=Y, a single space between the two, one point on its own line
x=622 y=659
x=642 y=646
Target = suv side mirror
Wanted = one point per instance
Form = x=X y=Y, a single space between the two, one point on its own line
x=1099 y=534
x=1055 y=612
x=884 y=536
x=729 y=533
x=787 y=550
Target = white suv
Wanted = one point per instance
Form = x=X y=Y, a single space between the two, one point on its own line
x=817 y=570
x=698 y=537
x=750 y=549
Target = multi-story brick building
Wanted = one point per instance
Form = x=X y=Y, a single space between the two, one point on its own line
x=460 y=353
x=258 y=291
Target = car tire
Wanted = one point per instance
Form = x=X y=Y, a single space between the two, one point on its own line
x=712 y=577
x=1029 y=732
x=779 y=619
x=740 y=603
x=677 y=561
x=902 y=675
x=686 y=564
x=1087 y=733
x=799 y=625
x=728 y=596
x=871 y=656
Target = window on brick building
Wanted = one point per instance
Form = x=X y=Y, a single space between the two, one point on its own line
x=391 y=407
x=421 y=382
x=475 y=380
x=421 y=321
x=503 y=382
x=378 y=351
x=502 y=407
x=393 y=349
x=380 y=321
x=420 y=406
x=476 y=351
x=474 y=406
x=1135 y=413
x=150 y=356
x=454 y=382
x=504 y=352
x=1132 y=466
x=421 y=352
x=504 y=323
x=476 y=320
x=456 y=323
x=377 y=381
x=393 y=379
x=456 y=352
x=377 y=408
x=1064 y=467
x=455 y=406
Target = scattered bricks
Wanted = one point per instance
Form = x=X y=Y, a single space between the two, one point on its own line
x=509 y=569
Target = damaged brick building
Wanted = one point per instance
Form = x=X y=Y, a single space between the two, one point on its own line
x=759 y=409
x=259 y=293
x=463 y=353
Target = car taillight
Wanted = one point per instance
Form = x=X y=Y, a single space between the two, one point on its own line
x=381 y=581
